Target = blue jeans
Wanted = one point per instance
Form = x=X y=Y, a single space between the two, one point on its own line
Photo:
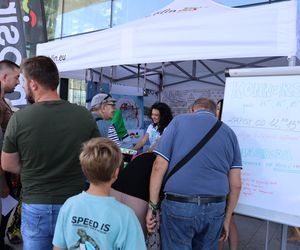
x=186 y=226
x=38 y=225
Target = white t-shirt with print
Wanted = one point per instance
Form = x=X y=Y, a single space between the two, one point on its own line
x=153 y=134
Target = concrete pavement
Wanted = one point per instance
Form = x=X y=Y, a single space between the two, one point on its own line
x=252 y=234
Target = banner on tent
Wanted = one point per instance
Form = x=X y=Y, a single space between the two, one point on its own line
x=181 y=100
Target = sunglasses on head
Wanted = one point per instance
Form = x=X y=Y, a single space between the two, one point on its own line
x=108 y=96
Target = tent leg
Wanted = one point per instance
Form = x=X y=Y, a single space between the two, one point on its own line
x=292 y=61
x=283 y=237
x=267 y=236
x=161 y=81
x=284 y=228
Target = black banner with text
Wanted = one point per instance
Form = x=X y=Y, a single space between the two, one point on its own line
x=12 y=42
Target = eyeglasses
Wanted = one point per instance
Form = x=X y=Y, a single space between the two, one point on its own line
x=111 y=104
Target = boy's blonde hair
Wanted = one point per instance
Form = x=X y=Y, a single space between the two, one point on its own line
x=99 y=158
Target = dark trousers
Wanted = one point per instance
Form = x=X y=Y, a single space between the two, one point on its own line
x=4 y=219
x=4 y=222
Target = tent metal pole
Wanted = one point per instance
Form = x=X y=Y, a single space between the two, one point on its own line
x=145 y=78
x=292 y=61
x=100 y=76
x=211 y=71
x=238 y=64
x=181 y=69
x=284 y=228
x=112 y=77
x=62 y=18
x=100 y=73
x=111 y=13
x=134 y=76
x=267 y=235
x=86 y=75
x=155 y=69
x=252 y=64
x=138 y=75
x=126 y=68
x=196 y=80
x=194 y=70
x=161 y=81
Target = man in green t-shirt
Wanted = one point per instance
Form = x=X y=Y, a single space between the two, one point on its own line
x=42 y=143
x=118 y=122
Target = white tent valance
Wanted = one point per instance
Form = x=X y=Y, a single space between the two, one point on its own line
x=184 y=30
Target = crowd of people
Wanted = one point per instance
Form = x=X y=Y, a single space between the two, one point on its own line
x=71 y=170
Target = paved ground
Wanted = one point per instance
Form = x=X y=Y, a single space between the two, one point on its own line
x=253 y=235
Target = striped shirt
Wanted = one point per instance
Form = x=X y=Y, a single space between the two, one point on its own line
x=112 y=134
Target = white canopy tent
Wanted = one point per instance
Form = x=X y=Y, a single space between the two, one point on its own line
x=197 y=40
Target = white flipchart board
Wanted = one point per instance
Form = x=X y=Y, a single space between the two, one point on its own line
x=262 y=106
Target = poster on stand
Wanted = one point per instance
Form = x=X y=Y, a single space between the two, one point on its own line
x=132 y=110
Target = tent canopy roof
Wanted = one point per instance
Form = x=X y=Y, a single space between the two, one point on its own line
x=185 y=30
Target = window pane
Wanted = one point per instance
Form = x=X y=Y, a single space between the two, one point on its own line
x=53 y=12
x=77 y=92
x=85 y=16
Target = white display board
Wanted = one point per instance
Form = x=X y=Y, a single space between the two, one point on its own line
x=264 y=112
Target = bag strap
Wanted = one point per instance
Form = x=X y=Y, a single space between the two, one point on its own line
x=98 y=119
x=194 y=151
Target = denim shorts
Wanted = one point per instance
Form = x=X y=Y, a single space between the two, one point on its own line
x=187 y=226
x=38 y=225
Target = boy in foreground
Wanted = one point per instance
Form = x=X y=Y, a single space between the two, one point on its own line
x=93 y=219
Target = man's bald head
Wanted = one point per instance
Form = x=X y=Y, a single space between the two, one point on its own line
x=204 y=103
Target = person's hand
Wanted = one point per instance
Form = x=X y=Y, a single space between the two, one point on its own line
x=225 y=231
x=152 y=220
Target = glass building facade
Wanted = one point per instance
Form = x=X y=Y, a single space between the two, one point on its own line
x=71 y=17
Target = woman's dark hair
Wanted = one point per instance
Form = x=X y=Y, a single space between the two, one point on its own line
x=165 y=115
x=220 y=104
